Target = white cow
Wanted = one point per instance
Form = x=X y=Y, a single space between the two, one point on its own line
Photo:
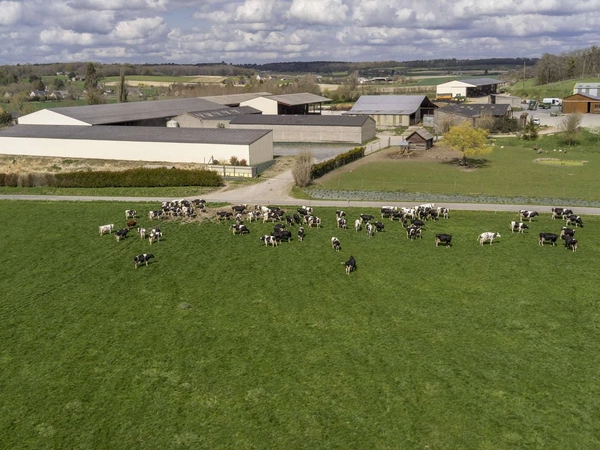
x=488 y=236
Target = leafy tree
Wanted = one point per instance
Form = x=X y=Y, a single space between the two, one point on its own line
x=530 y=131
x=467 y=140
x=569 y=126
x=94 y=96
x=18 y=100
x=71 y=75
x=58 y=83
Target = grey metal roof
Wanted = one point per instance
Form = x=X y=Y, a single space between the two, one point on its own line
x=474 y=110
x=236 y=99
x=225 y=114
x=387 y=104
x=299 y=99
x=126 y=112
x=137 y=134
x=589 y=96
x=308 y=120
x=587 y=85
x=481 y=81
x=421 y=132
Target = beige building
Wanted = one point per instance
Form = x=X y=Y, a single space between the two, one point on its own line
x=392 y=111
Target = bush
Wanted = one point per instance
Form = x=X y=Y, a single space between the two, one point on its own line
x=243 y=162
x=234 y=161
x=127 y=178
x=301 y=170
x=318 y=170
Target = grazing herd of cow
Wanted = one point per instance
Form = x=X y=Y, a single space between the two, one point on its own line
x=413 y=220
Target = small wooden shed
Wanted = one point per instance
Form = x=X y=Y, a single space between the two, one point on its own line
x=420 y=139
x=581 y=103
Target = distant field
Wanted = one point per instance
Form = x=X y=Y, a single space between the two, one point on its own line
x=506 y=172
x=466 y=347
x=161 y=80
x=561 y=89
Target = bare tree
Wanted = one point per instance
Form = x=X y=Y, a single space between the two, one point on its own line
x=301 y=168
x=569 y=126
x=123 y=92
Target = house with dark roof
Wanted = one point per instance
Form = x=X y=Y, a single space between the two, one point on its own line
x=472 y=112
x=392 y=111
x=419 y=139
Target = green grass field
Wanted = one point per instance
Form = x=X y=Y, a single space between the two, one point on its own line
x=442 y=348
x=529 y=89
x=506 y=172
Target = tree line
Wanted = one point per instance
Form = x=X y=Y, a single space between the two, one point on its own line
x=576 y=64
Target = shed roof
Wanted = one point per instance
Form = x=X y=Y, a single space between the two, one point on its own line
x=236 y=99
x=225 y=113
x=579 y=95
x=389 y=104
x=474 y=110
x=299 y=99
x=421 y=132
x=587 y=86
x=482 y=81
x=225 y=136
x=307 y=120
x=126 y=112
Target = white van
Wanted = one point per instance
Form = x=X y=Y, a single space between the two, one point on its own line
x=552 y=101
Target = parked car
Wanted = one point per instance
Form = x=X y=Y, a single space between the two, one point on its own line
x=536 y=120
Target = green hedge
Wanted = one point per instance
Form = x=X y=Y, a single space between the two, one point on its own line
x=318 y=170
x=160 y=177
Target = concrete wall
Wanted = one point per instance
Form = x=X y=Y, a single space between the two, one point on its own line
x=46 y=117
x=452 y=88
x=266 y=105
x=391 y=120
x=305 y=133
x=256 y=153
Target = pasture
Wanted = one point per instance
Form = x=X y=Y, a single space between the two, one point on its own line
x=223 y=343
x=512 y=169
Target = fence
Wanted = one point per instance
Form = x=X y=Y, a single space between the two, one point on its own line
x=233 y=171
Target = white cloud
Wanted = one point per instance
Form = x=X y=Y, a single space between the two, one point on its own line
x=11 y=13
x=318 y=12
x=139 y=30
x=58 y=36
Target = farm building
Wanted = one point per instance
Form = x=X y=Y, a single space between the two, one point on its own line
x=303 y=103
x=419 y=139
x=504 y=99
x=472 y=112
x=310 y=128
x=581 y=103
x=393 y=110
x=157 y=144
x=218 y=118
x=587 y=88
x=468 y=88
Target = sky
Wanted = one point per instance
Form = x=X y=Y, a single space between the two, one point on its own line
x=262 y=31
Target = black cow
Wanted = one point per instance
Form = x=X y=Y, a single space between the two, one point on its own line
x=379 y=226
x=297 y=218
x=282 y=235
x=239 y=208
x=142 y=259
x=350 y=265
x=366 y=217
x=305 y=210
x=122 y=233
x=571 y=243
x=443 y=239
x=566 y=231
x=301 y=233
x=417 y=222
x=574 y=220
x=548 y=237
x=289 y=220
x=528 y=214
x=224 y=215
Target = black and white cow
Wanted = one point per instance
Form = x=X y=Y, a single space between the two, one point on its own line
x=341 y=222
x=155 y=235
x=370 y=229
x=340 y=213
x=142 y=259
x=239 y=209
x=571 y=243
x=155 y=214
x=388 y=211
x=305 y=210
x=417 y=222
x=239 y=229
x=518 y=226
x=487 y=236
x=525 y=214
x=366 y=217
x=122 y=233
x=379 y=226
x=350 y=265
x=314 y=221
x=130 y=214
x=548 y=237
x=269 y=240
x=336 y=244
x=282 y=235
x=574 y=220
x=566 y=231
x=443 y=212
x=413 y=232
x=224 y=215
x=357 y=225
x=443 y=239
x=301 y=234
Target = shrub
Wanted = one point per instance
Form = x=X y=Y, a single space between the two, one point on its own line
x=234 y=161
x=301 y=170
x=243 y=162
x=318 y=170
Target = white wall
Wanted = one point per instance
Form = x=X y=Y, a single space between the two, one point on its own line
x=138 y=151
x=266 y=105
x=452 y=87
x=46 y=117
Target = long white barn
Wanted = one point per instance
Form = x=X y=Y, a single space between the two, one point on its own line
x=155 y=144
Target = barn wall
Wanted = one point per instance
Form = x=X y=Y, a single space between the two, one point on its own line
x=305 y=133
x=266 y=105
x=133 y=151
x=261 y=150
x=574 y=106
x=369 y=130
x=46 y=117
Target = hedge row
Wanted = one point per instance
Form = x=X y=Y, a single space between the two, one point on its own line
x=160 y=177
x=318 y=170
